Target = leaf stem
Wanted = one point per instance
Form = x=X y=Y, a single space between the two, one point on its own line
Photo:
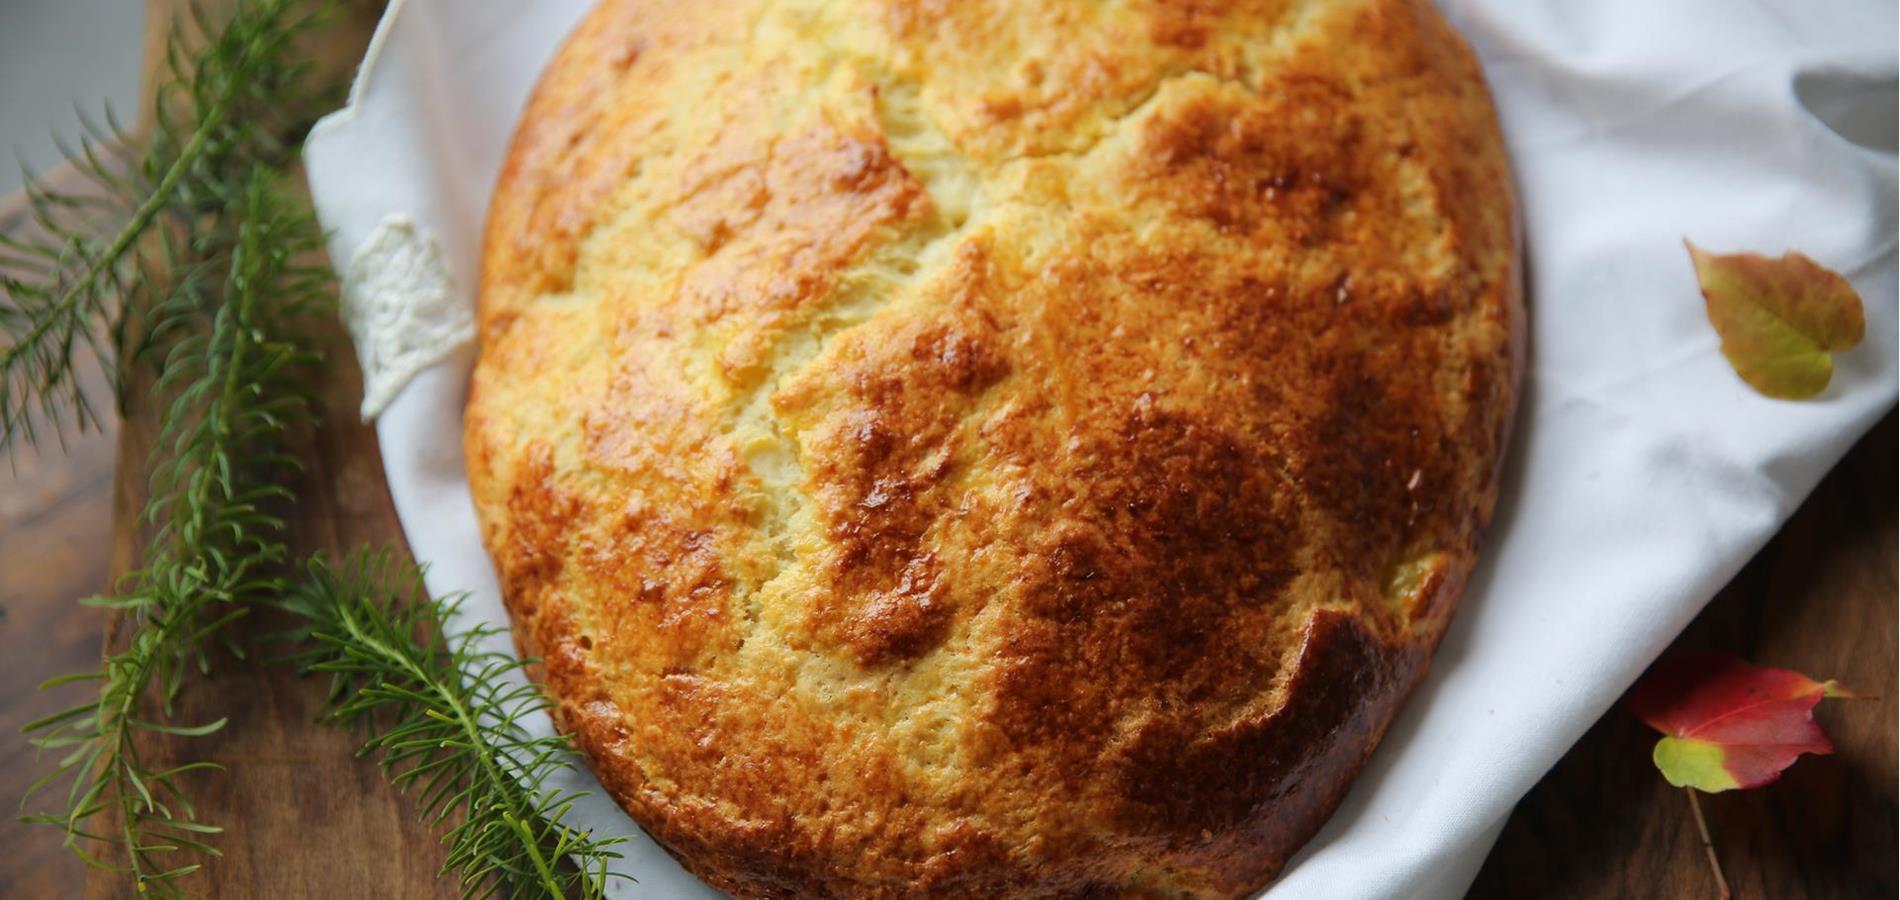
x=1708 y=845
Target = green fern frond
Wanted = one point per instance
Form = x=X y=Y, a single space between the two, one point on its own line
x=447 y=718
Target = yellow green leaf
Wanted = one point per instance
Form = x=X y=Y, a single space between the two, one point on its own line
x=1781 y=320
x=1687 y=762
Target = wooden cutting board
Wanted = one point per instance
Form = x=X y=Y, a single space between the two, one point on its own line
x=305 y=818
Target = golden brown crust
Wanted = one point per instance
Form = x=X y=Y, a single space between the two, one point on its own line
x=989 y=448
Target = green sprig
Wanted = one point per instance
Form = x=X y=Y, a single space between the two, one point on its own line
x=185 y=257
x=235 y=97
x=236 y=371
x=447 y=717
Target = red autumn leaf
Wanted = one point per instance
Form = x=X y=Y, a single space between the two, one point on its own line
x=1728 y=724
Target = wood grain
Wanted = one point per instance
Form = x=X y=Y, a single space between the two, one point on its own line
x=309 y=820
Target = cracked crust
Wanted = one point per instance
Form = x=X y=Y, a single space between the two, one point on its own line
x=992 y=448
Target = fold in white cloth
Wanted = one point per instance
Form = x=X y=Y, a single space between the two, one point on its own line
x=1644 y=472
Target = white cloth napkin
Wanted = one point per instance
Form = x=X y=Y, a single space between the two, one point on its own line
x=1644 y=472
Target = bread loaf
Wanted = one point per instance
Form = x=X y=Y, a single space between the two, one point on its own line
x=993 y=448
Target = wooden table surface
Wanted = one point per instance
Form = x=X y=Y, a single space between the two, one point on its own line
x=306 y=819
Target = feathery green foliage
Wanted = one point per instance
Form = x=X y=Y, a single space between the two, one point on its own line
x=235 y=372
x=185 y=256
x=447 y=716
x=235 y=99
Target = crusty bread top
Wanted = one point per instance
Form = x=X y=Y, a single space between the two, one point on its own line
x=983 y=447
